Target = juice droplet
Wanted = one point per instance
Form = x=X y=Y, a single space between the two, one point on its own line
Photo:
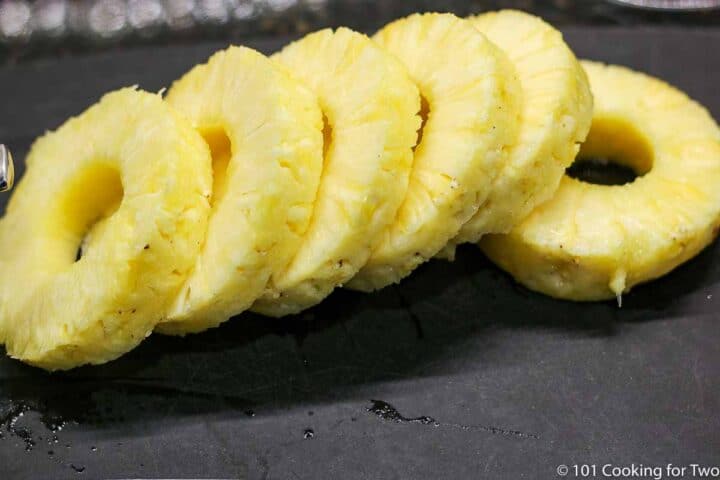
x=387 y=412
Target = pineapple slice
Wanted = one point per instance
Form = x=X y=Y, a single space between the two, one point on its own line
x=472 y=101
x=134 y=162
x=264 y=129
x=370 y=105
x=555 y=118
x=593 y=242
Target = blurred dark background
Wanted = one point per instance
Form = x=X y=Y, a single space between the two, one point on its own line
x=31 y=29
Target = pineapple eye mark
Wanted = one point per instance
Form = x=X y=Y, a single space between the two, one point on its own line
x=221 y=151
x=615 y=153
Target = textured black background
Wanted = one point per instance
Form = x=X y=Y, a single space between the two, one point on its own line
x=518 y=383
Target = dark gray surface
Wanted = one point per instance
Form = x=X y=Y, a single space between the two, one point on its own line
x=518 y=383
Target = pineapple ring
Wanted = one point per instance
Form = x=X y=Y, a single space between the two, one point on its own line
x=134 y=162
x=555 y=119
x=371 y=108
x=593 y=242
x=265 y=132
x=472 y=98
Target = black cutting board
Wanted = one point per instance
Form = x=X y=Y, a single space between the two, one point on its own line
x=516 y=383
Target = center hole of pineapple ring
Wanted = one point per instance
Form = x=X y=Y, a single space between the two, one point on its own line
x=327 y=132
x=424 y=112
x=615 y=153
x=87 y=202
x=221 y=151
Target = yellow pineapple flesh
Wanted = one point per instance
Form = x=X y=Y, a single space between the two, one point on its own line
x=370 y=106
x=594 y=242
x=138 y=168
x=555 y=118
x=472 y=101
x=264 y=129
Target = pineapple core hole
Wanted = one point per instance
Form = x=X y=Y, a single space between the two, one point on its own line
x=221 y=151
x=87 y=202
x=424 y=112
x=327 y=136
x=615 y=153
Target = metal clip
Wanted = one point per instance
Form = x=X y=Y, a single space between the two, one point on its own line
x=7 y=169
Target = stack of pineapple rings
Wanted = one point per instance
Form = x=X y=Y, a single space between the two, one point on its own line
x=264 y=183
